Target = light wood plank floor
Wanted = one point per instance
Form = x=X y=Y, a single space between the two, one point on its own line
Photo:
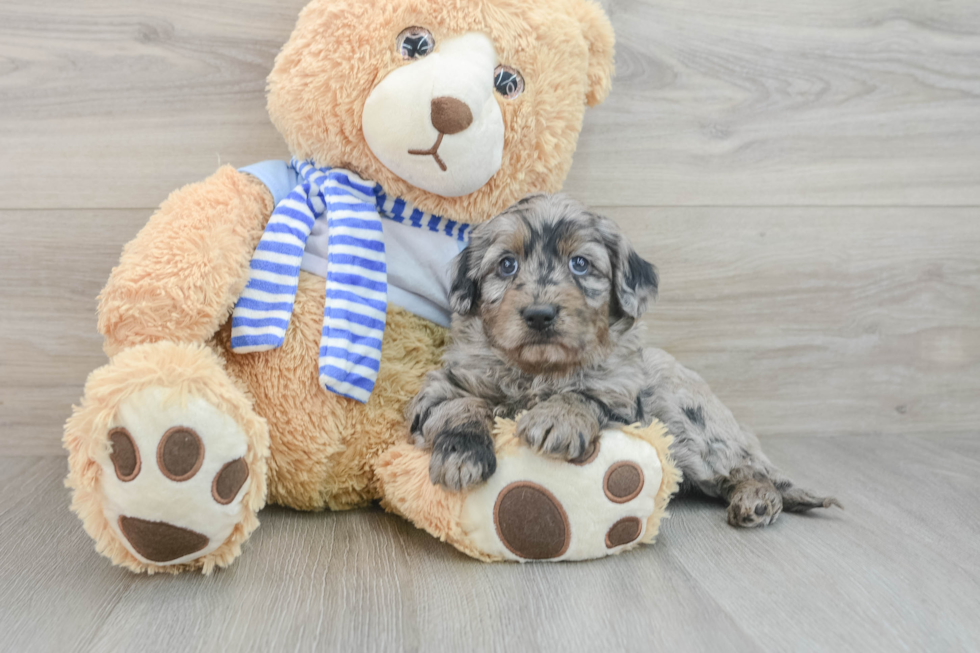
x=806 y=176
x=897 y=570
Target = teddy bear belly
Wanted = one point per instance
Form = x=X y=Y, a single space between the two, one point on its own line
x=323 y=446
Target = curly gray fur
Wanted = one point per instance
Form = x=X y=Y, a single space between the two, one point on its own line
x=535 y=329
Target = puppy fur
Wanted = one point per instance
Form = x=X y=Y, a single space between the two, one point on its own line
x=546 y=300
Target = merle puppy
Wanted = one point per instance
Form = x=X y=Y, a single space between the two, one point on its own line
x=546 y=299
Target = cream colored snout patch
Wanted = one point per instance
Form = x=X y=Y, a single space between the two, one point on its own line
x=436 y=123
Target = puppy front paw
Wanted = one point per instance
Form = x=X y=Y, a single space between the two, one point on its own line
x=462 y=457
x=418 y=413
x=559 y=431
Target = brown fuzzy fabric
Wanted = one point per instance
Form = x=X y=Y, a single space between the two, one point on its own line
x=404 y=474
x=563 y=48
x=179 y=279
x=323 y=445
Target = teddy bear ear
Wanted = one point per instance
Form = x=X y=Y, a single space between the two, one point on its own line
x=599 y=35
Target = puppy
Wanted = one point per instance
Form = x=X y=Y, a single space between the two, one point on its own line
x=546 y=299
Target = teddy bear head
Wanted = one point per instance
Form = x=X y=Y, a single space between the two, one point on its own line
x=461 y=107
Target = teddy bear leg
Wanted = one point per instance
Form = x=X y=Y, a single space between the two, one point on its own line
x=167 y=460
x=610 y=499
x=537 y=507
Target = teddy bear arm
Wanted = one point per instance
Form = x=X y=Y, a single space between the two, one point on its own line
x=180 y=277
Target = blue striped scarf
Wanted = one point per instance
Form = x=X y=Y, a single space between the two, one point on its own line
x=357 y=285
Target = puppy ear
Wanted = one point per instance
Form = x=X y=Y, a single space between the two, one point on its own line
x=464 y=294
x=635 y=281
x=599 y=35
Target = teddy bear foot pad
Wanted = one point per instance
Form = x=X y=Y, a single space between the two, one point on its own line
x=175 y=479
x=167 y=460
x=569 y=511
x=540 y=508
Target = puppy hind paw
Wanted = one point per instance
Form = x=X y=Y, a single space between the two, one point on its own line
x=799 y=500
x=754 y=504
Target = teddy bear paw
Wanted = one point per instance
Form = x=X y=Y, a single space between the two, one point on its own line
x=539 y=508
x=174 y=478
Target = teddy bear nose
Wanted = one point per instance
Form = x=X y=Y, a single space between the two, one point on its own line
x=450 y=116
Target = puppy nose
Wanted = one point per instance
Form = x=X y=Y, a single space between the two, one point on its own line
x=450 y=116
x=540 y=316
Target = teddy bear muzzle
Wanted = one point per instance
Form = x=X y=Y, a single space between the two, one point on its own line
x=435 y=121
x=449 y=116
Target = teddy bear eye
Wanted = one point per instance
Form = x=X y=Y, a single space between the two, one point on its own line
x=415 y=43
x=508 y=81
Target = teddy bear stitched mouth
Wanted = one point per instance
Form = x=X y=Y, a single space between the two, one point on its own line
x=434 y=152
x=449 y=116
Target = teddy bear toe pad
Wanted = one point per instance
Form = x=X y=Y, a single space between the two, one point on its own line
x=531 y=522
x=538 y=508
x=174 y=476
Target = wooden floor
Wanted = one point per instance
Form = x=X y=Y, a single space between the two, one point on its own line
x=897 y=570
x=807 y=178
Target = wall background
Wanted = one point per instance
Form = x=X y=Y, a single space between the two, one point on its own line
x=806 y=176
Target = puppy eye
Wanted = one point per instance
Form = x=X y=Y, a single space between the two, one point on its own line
x=415 y=43
x=508 y=82
x=508 y=267
x=578 y=265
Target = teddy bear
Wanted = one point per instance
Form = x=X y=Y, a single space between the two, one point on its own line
x=268 y=325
